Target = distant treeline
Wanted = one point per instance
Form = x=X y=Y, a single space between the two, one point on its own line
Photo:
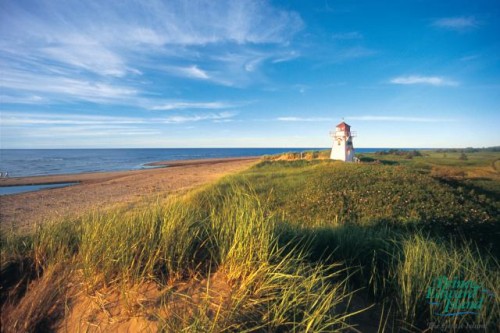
x=469 y=150
x=405 y=153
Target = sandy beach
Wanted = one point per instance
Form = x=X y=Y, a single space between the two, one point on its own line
x=104 y=189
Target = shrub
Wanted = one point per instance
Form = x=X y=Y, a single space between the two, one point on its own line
x=447 y=173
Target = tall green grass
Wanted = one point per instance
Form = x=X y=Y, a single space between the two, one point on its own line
x=425 y=260
x=177 y=241
x=283 y=245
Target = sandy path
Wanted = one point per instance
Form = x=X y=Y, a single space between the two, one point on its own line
x=97 y=190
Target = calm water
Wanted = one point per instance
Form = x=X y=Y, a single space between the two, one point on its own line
x=32 y=162
x=30 y=188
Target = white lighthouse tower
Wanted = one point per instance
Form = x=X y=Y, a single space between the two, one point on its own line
x=342 y=149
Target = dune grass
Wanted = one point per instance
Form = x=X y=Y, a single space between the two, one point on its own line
x=424 y=260
x=280 y=247
x=177 y=241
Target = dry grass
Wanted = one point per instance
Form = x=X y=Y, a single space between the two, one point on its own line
x=42 y=305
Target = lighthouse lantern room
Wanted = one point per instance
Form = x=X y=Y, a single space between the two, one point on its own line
x=342 y=149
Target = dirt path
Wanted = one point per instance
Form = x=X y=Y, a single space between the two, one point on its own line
x=98 y=190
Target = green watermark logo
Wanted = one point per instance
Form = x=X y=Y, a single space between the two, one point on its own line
x=456 y=297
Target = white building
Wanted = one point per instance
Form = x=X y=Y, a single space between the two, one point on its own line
x=342 y=149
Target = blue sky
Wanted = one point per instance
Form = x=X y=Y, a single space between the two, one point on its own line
x=91 y=74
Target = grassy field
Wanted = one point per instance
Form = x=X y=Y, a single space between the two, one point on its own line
x=290 y=245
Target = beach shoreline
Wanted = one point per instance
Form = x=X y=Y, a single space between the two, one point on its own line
x=88 y=177
x=105 y=189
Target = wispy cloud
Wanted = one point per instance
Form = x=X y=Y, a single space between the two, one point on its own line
x=368 y=118
x=94 y=47
x=10 y=118
x=199 y=117
x=88 y=54
x=304 y=119
x=154 y=23
x=342 y=54
x=456 y=23
x=22 y=119
x=354 y=53
x=55 y=87
x=347 y=35
x=221 y=76
x=22 y=99
x=191 y=72
x=180 y=105
x=286 y=56
x=77 y=135
x=428 y=80
x=194 y=72
x=470 y=57
x=302 y=88
x=401 y=119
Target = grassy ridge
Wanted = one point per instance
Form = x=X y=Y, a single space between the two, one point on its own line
x=181 y=240
x=399 y=226
x=283 y=246
x=334 y=191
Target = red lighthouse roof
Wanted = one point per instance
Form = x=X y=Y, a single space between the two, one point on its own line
x=343 y=126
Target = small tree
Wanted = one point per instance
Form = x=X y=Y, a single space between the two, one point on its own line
x=463 y=157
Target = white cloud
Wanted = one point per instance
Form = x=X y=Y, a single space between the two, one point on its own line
x=22 y=119
x=103 y=52
x=180 y=105
x=429 y=80
x=286 y=57
x=88 y=55
x=218 y=77
x=22 y=99
x=65 y=136
x=102 y=37
x=240 y=67
x=225 y=120
x=304 y=119
x=195 y=72
x=148 y=36
x=456 y=23
x=91 y=131
x=62 y=88
x=192 y=72
x=401 y=119
x=253 y=64
x=10 y=118
x=199 y=117
x=367 y=118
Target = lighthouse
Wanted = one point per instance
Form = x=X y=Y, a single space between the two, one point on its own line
x=342 y=149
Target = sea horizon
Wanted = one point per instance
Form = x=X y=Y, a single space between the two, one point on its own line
x=53 y=161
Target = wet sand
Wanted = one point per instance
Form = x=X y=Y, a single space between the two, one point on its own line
x=105 y=189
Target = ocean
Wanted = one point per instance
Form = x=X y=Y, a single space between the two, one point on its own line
x=36 y=162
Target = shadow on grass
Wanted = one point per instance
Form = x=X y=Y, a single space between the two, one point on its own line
x=366 y=159
x=484 y=234
x=376 y=259
x=367 y=250
x=469 y=186
x=15 y=277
